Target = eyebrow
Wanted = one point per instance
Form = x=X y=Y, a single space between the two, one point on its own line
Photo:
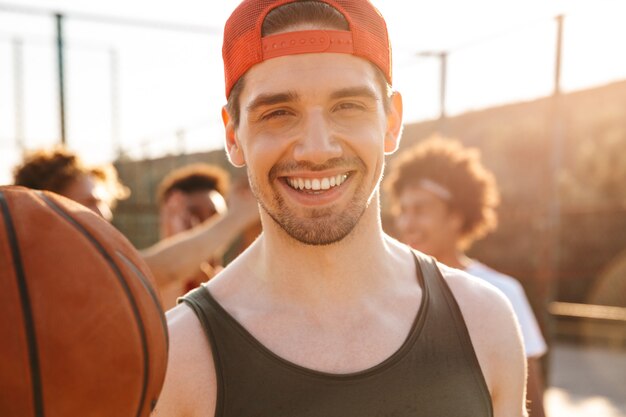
x=271 y=99
x=355 y=92
x=292 y=96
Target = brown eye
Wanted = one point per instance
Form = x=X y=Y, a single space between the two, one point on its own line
x=349 y=106
x=276 y=114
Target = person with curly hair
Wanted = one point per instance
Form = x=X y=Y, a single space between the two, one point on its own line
x=443 y=199
x=63 y=172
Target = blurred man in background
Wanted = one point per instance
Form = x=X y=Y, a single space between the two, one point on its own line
x=443 y=200
x=190 y=196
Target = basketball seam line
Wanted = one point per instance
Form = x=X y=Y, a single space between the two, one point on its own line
x=157 y=304
x=122 y=281
x=33 y=350
x=150 y=290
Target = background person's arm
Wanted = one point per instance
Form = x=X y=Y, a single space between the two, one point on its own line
x=189 y=389
x=535 y=388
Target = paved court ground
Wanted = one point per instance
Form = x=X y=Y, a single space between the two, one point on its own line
x=586 y=381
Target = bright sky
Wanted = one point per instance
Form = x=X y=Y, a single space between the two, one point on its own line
x=501 y=51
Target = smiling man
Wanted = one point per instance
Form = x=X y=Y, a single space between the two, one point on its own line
x=325 y=315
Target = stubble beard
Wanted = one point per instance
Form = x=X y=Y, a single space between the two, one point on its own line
x=321 y=226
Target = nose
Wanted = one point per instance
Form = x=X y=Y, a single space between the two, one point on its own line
x=102 y=209
x=317 y=143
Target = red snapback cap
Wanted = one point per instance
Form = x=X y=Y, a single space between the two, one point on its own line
x=244 y=46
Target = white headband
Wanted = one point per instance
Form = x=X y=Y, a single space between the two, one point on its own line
x=435 y=188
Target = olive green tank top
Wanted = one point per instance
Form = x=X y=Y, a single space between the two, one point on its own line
x=435 y=373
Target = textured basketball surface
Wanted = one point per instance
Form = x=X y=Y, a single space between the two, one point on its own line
x=81 y=329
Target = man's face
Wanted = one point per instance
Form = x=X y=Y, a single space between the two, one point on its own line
x=425 y=222
x=91 y=193
x=203 y=205
x=313 y=133
x=182 y=211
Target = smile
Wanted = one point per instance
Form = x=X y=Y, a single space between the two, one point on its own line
x=316 y=184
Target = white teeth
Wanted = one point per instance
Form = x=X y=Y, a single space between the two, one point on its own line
x=317 y=184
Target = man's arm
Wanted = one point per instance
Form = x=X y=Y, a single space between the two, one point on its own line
x=179 y=257
x=509 y=365
x=189 y=389
x=497 y=341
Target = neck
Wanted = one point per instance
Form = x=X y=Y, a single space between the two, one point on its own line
x=454 y=258
x=350 y=268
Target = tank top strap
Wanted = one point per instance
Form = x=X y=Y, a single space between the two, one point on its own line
x=435 y=373
x=433 y=282
x=445 y=311
x=198 y=301
x=207 y=311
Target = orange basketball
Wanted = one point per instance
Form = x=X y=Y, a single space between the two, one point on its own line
x=82 y=332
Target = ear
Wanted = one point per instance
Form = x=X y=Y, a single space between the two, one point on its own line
x=233 y=147
x=394 y=124
x=455 y=221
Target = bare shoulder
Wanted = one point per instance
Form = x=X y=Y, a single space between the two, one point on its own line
x=189 y=387
x=496 y=338
x=475 y=296
x=487 y=313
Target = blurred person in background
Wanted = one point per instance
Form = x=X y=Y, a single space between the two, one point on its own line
x=190 y=196
x=62 y=172
x=444 y=199
x=180 y=254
